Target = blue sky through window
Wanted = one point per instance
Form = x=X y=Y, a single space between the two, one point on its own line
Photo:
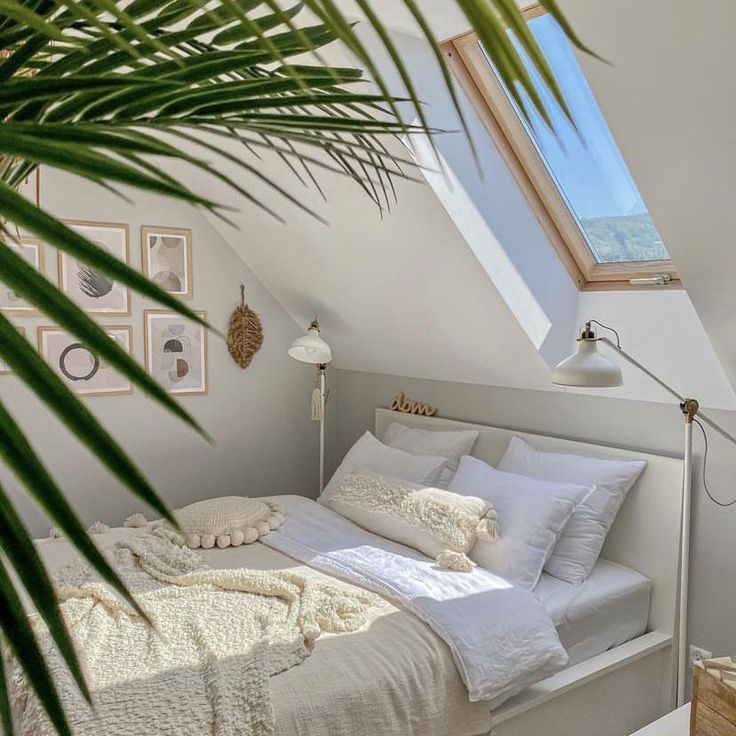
x=588 y=167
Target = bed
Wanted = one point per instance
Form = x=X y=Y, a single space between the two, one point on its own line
x=396 y=675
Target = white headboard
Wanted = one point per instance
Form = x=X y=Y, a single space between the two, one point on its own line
x=646 y=534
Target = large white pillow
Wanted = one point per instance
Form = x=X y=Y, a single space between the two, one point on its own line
x=531 y=515
x=580 y=545
x=441 y=524
x=371 y=454
x=450 y=444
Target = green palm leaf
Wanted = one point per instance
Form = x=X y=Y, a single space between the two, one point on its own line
x=104 y=91
x=16 y=629
x=20 y=356
x=22 y=555
x=6 y=712
x=22 y=460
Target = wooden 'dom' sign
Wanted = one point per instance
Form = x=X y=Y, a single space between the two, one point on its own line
x=407 y=406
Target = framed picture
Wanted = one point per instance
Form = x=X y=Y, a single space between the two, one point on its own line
x=176 y=351
x=95 y=292
x=79 y=367
x=166 y=254
x=4 y=367
x=31 y=251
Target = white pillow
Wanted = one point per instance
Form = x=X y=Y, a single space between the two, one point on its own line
x=450 y=444
x=368 y=453
x=442 y=525
x=580 y=545
x=531 y=515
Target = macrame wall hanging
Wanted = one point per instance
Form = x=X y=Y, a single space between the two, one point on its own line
x=244 y=333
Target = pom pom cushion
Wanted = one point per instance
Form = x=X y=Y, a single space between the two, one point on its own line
x=531 y=515
x=442 y=525
x=369 y=453
x=228 y=521
x=579 y=546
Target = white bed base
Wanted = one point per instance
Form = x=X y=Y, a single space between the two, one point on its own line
x=623 y=689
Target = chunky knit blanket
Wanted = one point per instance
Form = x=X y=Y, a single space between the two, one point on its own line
x=204 y=668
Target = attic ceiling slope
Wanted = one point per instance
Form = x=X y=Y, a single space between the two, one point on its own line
x=669 y=98
x=400 y=295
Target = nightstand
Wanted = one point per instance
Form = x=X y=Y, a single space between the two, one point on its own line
x=676 y=723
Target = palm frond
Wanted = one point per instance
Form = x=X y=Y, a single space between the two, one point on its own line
x=105 y=91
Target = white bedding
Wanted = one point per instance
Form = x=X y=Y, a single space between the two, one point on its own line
x=395 y=677
x=501 y=637
x=608 y=609
x=397 y=660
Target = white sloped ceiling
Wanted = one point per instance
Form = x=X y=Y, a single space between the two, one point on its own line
x=458 y=283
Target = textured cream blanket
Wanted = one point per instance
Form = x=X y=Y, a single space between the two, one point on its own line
x=204 y=670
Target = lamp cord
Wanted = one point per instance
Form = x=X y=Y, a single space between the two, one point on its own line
x=606 y=327
x=722 y=504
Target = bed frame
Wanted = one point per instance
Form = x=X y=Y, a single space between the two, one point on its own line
x=623 y=689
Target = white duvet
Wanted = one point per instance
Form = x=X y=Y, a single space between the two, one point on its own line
x=501 y=637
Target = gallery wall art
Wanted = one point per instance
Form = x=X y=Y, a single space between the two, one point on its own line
x=32 y=252
x=166 y=255
x=4 y=367
x=176 y=351
x=83 y=371
x=95 y=292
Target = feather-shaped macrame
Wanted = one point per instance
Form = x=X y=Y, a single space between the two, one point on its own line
x=244 y=333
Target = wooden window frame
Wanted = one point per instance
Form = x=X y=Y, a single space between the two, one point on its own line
x=500 y=118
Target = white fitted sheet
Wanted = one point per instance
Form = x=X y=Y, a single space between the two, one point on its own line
x=609 y=608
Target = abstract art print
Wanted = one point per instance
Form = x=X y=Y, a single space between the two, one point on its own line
x=176 y=351
x=31 y=251
x=96 y=292
x=166 y=253
x=83 y=371
x=4 y=367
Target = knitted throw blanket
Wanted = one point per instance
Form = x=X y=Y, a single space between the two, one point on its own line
x=204 y=669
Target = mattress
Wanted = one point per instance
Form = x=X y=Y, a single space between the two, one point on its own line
x=609 y=608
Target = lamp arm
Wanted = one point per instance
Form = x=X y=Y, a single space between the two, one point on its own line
x=706 y=419
x=638 y=365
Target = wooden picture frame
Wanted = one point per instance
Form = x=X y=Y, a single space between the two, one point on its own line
x=173 y=269
x=65 y=354
x=10 y=304
x=5 y=370
x=171 y=342
x=93 y=292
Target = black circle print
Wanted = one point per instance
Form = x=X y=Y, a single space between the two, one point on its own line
x=65 y=370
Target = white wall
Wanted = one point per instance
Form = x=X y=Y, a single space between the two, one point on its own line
x=264 y=440
x=650 y=427
x=668 y=96
x=487 y=206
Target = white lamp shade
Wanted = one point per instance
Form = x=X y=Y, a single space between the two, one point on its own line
x=311 y=348
x=587 y=368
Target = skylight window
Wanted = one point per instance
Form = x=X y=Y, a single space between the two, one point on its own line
x=578 y=182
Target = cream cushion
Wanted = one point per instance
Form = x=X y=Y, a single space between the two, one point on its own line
x=369 y=453
x=227 y=521
x=442 y=525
